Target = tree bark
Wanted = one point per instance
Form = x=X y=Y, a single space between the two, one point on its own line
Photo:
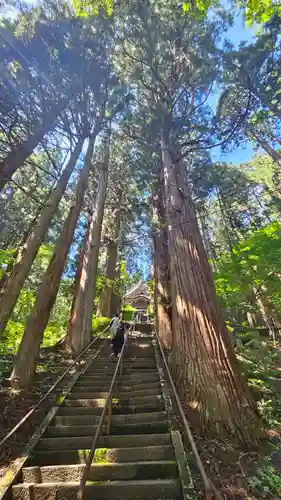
x=79 y=265
x=80 y=328
x=209 y=249
x=163 y=301
x=115 y=303
x=25 y=362
x=275 y=155
x=22 y=151
x=111 y=262
x=27 y=254
x=202 y=360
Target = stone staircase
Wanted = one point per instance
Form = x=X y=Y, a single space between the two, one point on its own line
x=136 y=461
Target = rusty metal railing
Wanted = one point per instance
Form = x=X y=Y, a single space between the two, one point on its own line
x=107 y=407
x=50 y=391
x=211 y=491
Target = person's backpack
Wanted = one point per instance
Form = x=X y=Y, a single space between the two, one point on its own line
x=120 y=330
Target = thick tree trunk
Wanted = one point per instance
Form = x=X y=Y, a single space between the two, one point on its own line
x=27 y=254
x=25 y=362
x=163 y=301
x=80 y=327
x=79 y=266
x=115 y=303
x=22 y=151
x=275 y=155
x=209 y=249
x=111 y=262
x=203 y=361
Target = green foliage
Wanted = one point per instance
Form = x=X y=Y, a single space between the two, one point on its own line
x=260 y=11
x=255 y=262
x=266 y=480
x=86 y=8
x=58 y=322
x=99 y=324
x=260 y=364
x=53 y=334
x=128 y=312
x=6 y=256
x=13 y=334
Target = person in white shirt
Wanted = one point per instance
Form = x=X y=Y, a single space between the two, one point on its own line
x=114 y=325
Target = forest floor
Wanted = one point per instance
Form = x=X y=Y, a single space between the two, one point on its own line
x=15 y=404
x=243 y=474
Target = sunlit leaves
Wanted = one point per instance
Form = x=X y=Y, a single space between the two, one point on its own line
x=260 y=11
x=256 y=261
x=85 y=8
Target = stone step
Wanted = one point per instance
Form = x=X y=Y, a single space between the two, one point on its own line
x=143 y=377
x=125 y=401
x=134 y=351
x=103 y=455
x=122 y=386
x=135 y=362
x=102 y=472
x=126 y=370
x=72 y=408
x=115 y=429
x=128 y=358
x=149 y=489
x=126 y=373
x=116 y=419
x=126 y=365
x=85 y=393
x=78 y=442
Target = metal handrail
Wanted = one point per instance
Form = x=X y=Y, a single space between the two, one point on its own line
x=209 y=487
x=26 y=417
x=80 y=494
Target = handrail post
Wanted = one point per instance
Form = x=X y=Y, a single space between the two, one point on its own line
x=109 y=417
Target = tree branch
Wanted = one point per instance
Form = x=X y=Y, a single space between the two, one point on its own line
x=224 y=141
x=27 y=193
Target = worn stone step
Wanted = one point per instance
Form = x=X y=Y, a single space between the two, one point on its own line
x=146 y=352
x=145 y=363
x=129 y=358
x=115 y=429
x=73 y=407
x=102 y=472
x=149 y=489
x=143 y=377
x=116 y=419
x=78 y=442
x=84 y=393
x=103 y=455
x=125 y=401
x=126 y=370
x=122 y=386
x=101 y=371
x=124 y=379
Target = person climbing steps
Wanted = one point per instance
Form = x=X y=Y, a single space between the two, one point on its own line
x=118 y=339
